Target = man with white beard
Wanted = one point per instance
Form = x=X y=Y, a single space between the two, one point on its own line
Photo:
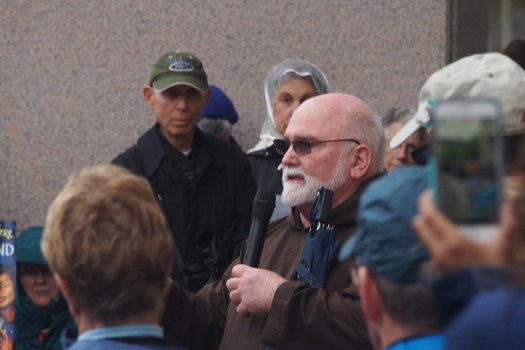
x=332 y=140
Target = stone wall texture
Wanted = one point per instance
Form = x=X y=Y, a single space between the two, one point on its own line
x=72 y=71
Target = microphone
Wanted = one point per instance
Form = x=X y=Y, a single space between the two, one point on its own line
x=263 y=205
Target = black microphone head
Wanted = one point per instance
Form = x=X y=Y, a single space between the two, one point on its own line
x=264 y=202
x=263 y=205
x=265 y=195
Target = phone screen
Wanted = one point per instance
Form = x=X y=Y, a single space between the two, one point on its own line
x=468 y=159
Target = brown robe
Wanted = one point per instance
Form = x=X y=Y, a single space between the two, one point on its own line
x=301 y=317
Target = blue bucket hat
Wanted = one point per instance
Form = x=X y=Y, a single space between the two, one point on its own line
x=385 y=241
x=220 y=106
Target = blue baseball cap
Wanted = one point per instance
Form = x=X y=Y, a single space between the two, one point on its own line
x=385 y=241
x=220 y=106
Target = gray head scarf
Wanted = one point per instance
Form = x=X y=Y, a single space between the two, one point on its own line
x=285 y=69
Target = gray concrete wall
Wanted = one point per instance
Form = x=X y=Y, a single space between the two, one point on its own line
x=72 y=71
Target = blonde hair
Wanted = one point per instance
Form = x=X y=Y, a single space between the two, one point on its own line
x=106 y=237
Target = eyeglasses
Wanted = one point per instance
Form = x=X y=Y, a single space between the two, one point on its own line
x=302 y=147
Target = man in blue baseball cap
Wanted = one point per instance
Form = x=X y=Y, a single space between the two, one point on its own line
x=391 y=266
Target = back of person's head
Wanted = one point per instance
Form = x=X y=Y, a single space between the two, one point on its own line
x=107 y=240
x=488 y=75
x=516 y=50
x=388 y=247
x=411 y=305
x=220 y=115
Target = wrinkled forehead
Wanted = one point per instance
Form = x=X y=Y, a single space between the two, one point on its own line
x=294 y=76
x=315 y=120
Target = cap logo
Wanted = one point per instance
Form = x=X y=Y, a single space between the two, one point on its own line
x=181 y=64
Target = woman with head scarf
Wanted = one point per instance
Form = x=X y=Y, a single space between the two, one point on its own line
x=41 y=313
x=287 y=85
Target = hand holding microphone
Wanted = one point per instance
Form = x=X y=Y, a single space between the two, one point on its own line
x=250 y=287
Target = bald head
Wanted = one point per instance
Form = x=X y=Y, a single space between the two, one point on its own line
x=334 y=106
x=342 y=115
x=338 y=143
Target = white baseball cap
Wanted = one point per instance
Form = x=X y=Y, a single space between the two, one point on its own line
x=489 y=75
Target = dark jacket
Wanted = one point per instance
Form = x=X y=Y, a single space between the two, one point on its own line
x=492 y=320
x=301 y=317
x=210 y=218
x=454 y=291
x=265 y=163
x=481 y=307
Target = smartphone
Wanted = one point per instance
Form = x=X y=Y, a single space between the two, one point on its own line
x=467 y=167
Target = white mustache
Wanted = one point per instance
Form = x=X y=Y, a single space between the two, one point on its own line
x=292 y=172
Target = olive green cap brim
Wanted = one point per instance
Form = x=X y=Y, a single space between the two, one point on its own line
x=169 y=80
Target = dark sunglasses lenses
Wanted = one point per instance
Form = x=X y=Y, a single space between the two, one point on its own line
x=302 y=147
x=420 y=155
x=299 y=146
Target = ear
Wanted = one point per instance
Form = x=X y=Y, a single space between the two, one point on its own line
x=370 y=299
x=147 y=92
x=67 y=295
x=361 y=162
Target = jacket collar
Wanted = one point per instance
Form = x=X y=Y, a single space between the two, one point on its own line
x=152 y=152
x=268 y=152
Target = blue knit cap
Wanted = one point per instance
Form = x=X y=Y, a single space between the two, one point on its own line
x=385 y=241
x=220 y=106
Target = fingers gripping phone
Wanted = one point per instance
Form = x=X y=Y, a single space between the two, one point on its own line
x=467 y=167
